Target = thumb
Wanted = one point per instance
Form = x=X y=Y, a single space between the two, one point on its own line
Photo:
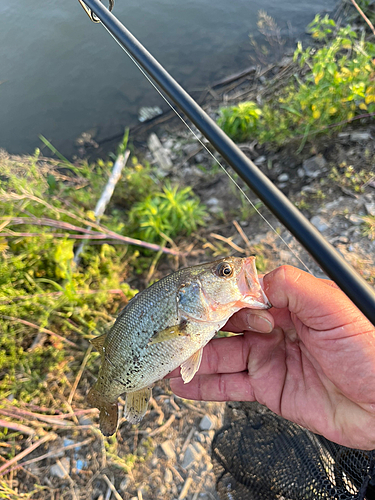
x=315 y=302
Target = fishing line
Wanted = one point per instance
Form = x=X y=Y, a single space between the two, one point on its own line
x=206 y=148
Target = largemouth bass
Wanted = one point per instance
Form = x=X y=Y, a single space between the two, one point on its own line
x=166 y=326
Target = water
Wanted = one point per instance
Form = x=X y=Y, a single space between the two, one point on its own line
x=62 y=74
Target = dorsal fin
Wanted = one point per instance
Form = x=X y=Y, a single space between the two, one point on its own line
x=98 y=342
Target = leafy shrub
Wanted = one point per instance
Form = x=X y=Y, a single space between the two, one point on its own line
x=338 y=85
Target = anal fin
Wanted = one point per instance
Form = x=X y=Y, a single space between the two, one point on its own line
x=190 y=367
x=169 y=333
x=136 y=405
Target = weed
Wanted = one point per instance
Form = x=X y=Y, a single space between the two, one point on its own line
x=369 y=226
x=338 y=85
x=346 y=176
x=165 y=213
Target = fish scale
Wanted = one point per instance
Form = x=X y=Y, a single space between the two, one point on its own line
x=166 y=326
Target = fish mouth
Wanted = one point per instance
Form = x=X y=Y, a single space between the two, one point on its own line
x=250 y=287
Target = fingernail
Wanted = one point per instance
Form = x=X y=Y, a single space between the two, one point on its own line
x=259 y=323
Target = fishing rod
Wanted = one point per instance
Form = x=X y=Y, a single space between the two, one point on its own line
x=325 y=255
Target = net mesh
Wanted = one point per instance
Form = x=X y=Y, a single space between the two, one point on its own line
x=259 y=455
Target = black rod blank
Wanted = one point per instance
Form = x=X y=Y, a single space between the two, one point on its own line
x=325 y=255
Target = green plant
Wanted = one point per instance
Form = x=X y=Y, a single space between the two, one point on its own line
x=369 y=226
x=348 y=177
x=166 y=213
x=240 y=122
x=338 y=85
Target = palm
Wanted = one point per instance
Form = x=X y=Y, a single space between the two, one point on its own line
x=316 y=368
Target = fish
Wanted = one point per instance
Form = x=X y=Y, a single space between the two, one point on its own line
x=166 y=326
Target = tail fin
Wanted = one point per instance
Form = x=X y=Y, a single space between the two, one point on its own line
x=108 y=416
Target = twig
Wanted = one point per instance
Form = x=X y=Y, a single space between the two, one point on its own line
x=79 y=375
x=107 y=194
x=28 y=450
x=187 y=440
x=176 y=473
x=228 y=241
x=17 y=427
x=194 y=408
x=159 y=410
x=185 y=488
x=161 y=429
x=364 y=16
x=242 y=234
x=53 y=453
x=113 y=489
x=44 y=330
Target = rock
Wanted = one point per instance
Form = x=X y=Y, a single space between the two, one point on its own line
x=207 y=423
x=125 y=483
x=191 y=456
x=168 y=449
x=370 y=208
x=201 y=438
x=168 y=476
x=357 y=220
x=260 y=160
x=314 y=166
x=161 y=155
x=85 y=420
x=199 y=158
x=283 y=177
x=61 y=469
x=199 y=449
x=190 y=149
x=320 y=223
x=282 y=185
x=301 y=173
x=213 y=205
x=360 y=135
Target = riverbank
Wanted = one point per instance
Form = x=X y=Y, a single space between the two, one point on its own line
x=51 y=447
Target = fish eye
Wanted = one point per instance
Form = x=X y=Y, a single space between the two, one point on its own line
x=224 y=270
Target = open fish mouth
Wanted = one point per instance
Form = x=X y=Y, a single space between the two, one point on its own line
x=250 y=287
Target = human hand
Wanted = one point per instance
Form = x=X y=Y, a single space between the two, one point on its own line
x=314 y=363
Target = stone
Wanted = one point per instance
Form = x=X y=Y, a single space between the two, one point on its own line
x=199 y=448
x=160 y=154
x=301 y=173
x=125 y=483
x=357 y=220
x=370 y=208
x=314 y=166
x=191 y=456
x=283 y=177
x=168 y=449
x=168 y=476
x=61 y=469
x=190 y=149
x=320 y=223
x=207 y=423
x=199 y=158
x=360 y=135
x=147 y=113
x=260 y=160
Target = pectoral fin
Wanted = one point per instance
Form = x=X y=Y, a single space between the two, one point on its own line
x=136 y=405
x=169 y=333
x=98 y=343
x=190 y=367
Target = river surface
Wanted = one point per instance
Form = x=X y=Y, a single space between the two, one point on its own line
x=62 y=75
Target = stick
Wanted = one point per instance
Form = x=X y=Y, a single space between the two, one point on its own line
x=364 y=16
x=161 y=429
x=242 y=234
x=17 y=427
x=79 y=375
x=113 y=489
x=107 y=194
x=228 y=241
x=53 y=453
x=44 y=330
x=28 y=450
